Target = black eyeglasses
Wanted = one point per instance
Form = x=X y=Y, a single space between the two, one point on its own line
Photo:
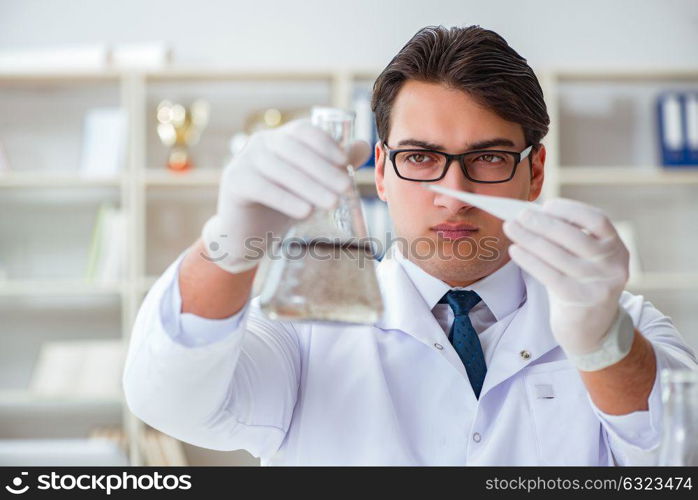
x=487 y=166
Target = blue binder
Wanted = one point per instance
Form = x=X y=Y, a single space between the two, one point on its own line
x=677 y=118
x=672 y=130
x=691 y=117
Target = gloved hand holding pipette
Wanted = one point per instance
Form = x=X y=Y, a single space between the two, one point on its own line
x=574 y=250
x=280 y=175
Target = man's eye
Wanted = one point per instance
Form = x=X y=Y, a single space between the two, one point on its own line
x=490 y=158
x=419 y=158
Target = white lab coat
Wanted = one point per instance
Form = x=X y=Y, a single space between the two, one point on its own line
x=389 y=394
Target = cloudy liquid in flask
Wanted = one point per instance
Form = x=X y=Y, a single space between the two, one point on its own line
x=333 y=285
x=327 y=269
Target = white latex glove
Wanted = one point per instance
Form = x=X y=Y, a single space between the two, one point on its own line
x=280 y=175
x=574 y=250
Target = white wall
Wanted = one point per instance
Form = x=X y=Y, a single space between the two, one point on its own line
x=329 y=33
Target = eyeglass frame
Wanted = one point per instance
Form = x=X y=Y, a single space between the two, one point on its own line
x=459 y=157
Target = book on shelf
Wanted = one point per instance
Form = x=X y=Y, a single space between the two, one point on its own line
x=89 y=369
x=677 y=118
x=66 y=58
x=692 y=127
x=106 y=256
x=87 y=57
x=103 y=143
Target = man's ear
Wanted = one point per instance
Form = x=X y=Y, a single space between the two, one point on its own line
x=379 y=171
x=537 y=172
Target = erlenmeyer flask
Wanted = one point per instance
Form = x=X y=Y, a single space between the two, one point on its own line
x=325 y=268
x=680 y=419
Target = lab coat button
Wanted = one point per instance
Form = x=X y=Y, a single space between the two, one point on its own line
x=438 y=346
x=477 y=437
x=525 y=354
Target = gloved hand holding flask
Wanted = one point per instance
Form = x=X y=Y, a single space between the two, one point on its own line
x=280 y=175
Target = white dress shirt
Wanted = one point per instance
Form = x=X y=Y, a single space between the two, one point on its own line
x=494 y=307
x=392 y=393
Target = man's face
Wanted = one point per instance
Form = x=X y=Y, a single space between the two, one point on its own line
x=451 y=240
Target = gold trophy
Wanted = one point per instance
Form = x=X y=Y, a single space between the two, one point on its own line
x=179 y=129
x=271 y=118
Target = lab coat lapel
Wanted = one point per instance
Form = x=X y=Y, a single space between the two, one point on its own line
x=526 y=339
x=405 y=310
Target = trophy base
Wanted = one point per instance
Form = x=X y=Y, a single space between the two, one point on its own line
x=179 y=161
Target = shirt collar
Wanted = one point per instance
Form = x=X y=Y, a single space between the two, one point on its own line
x=503 y=291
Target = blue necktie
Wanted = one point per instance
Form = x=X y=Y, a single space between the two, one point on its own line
x=464 y=337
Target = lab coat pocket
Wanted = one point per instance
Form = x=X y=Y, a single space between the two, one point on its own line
x=566 y=430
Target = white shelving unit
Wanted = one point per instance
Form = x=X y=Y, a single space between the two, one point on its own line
x=165 y=211
x=603 y=149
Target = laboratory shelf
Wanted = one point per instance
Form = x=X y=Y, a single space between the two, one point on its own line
x=58 y=288
x=664 y=281
x=633 y=75
x=51 y=78
x=198 y=74
x=637 y=176
x=26 y=398
x=194 y=178
x=31 y=179
x=211 y=177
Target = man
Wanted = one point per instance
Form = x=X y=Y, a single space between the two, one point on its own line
x=525 y=351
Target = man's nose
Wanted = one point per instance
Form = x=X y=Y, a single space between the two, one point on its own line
x=454 y=179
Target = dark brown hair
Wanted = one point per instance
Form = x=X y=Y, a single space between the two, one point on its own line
x=472 y=59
